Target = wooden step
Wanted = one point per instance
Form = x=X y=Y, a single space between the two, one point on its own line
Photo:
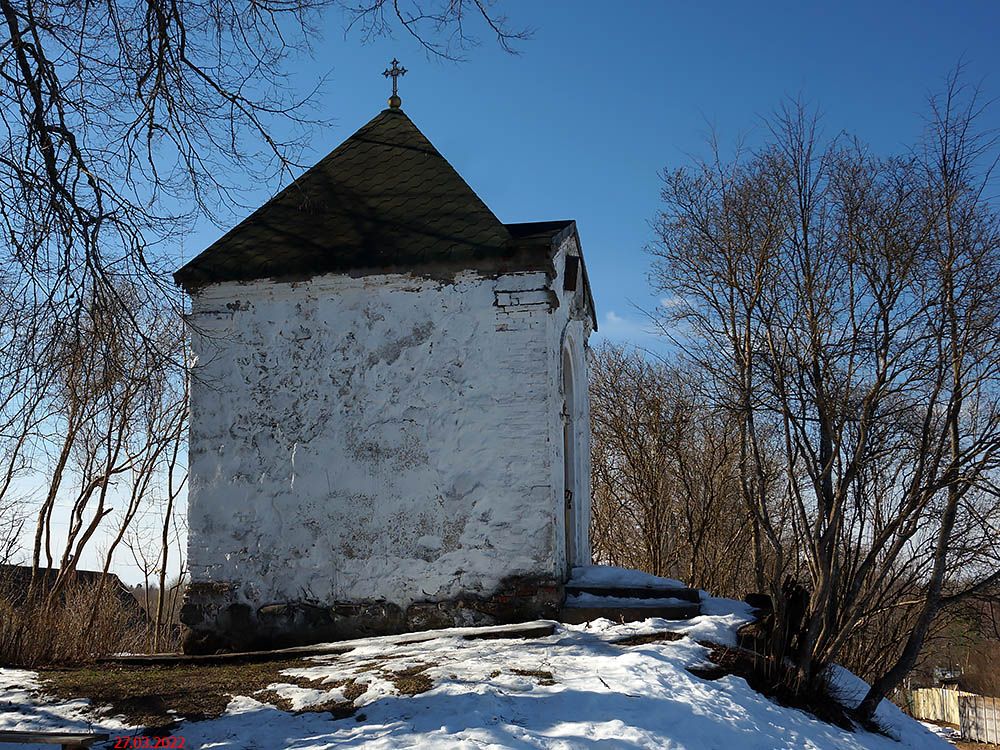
x=576 y=615
x=635 y=592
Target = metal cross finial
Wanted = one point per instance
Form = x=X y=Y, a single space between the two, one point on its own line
x=394 y=72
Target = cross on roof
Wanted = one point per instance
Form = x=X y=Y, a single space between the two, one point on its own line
x=395 y=72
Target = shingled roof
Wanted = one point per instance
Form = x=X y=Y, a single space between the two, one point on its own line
x=385 y=200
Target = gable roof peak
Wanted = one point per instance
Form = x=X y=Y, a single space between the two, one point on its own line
x=384 y=199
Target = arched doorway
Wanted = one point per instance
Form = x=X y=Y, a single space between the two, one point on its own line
x=571 y=470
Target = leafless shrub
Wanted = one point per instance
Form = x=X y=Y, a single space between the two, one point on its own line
x=665 y=481
x=160 y=600
x=36 y=631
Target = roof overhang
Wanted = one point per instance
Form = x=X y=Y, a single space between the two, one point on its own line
x=552 y=234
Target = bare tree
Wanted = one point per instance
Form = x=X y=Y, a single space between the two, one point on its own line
x=124 y=120
x=122 y=123
x=176 y=479
x=962 y=260
x=844 y=309
x=12 y=518
x=665 y=480
x=442 y=29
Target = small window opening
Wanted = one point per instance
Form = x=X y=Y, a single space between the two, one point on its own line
x=572 y=271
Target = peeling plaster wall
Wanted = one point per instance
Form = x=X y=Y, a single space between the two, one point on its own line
x=377 y=439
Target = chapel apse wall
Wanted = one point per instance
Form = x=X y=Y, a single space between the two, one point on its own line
x=371 y=451
x=377 y=409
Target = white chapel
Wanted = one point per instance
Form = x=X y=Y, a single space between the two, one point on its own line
x=389 y=415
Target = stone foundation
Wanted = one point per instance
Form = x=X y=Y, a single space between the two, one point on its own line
x=217 y=617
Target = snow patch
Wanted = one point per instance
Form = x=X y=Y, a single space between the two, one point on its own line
x=610 y=576
x=946 y=733
x=851 y=689
x=23 y=709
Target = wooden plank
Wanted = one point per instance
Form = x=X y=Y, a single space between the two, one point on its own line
x=532 y=629
x=966 y=717
x=990 y=711
x=937 y=704
x=228 y=658
x=68 y=739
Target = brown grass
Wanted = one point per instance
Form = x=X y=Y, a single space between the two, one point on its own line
x=412 y=680
x=147 y=695
x=642 y=640
x=543 y=676
x=35 y=632
x=338 y=709
x=157 y=696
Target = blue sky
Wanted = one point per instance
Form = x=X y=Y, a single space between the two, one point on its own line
x=606 y=94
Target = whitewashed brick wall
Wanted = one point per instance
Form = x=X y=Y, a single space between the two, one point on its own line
x=377 y=438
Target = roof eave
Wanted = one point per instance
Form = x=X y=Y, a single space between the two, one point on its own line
x=568 y=231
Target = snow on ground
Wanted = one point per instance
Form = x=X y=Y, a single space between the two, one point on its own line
x=573 y=689
x=24 y=709
x=608 y=575
x=944 y=732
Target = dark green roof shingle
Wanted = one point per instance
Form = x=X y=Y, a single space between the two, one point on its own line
x=384 y=200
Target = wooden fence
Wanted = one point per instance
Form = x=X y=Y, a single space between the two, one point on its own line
x=977 y=717
x=936 y=704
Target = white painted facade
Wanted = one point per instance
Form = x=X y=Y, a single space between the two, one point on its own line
x=388 y=437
